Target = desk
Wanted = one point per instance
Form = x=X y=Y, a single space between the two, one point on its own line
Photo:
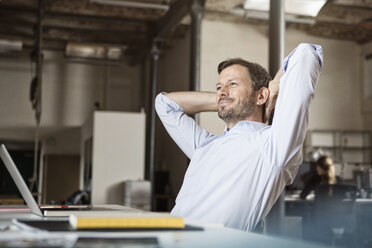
x=212 y=236
x=296 y=206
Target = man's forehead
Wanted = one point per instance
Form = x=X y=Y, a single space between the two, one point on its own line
x=235 y=71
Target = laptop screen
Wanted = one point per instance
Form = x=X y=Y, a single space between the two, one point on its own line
x=18 y=180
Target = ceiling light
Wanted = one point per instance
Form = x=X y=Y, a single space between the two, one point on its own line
x=94 y=51
x=295 y=7
x=263 y=5
x=8 y=46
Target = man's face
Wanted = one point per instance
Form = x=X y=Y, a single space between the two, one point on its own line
x=235 y=96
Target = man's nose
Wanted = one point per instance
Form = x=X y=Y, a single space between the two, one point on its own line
x=223 y=91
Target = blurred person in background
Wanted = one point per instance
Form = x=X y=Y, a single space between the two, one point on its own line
x=325 y=174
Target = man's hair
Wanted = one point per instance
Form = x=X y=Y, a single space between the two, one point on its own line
x=259 y=75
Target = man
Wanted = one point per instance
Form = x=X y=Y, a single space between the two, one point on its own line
x=235 y=179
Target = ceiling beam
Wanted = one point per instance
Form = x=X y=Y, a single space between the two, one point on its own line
x=17 y=16
x=355 y=33
x=173 y=17
x=166 y=25
x=94 y=24
x=99 y=17
x=23 y=30
x=84 y=7
x=65 y=34
x=123 y=38
x=19 y=23
x=339 y=14
x=30 y=5
x=29 y=15
x=22 y=23
x=354 y=3
x=133 y=4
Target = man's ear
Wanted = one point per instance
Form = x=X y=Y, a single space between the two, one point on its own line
x=262 y=96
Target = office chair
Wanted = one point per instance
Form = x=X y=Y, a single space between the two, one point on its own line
x=333 y=213
x=79 y=197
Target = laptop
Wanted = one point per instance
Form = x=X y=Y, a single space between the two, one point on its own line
x=49 y=210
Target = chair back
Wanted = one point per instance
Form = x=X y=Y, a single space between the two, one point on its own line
x=333 y=209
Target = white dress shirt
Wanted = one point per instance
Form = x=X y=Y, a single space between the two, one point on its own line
x=235 y=179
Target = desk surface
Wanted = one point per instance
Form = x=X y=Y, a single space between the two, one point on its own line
x=294 y=198
x=212 y=236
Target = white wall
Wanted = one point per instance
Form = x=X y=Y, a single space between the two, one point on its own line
x=337 y=97
x=15 y=107
x=69 y=92
x=336 y=104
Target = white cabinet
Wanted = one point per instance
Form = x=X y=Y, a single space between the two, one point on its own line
x=113 y=151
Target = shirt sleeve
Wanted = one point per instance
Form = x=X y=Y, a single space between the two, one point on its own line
x=181 y=127
x=297 y=85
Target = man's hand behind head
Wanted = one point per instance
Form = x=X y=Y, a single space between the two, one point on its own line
x=274 y=91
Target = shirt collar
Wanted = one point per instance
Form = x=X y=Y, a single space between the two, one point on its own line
x=256 y=126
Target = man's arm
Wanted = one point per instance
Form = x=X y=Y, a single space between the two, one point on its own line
x=302 y=68
x=181 y=127
x=193 y=102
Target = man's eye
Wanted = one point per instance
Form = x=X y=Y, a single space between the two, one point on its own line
x=218 y=88
x=233 y=84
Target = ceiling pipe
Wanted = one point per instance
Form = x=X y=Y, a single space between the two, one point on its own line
x=132 y=4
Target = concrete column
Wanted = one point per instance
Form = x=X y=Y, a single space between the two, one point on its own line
x=150 y=119
x=275 y=221
x=196 y=11
x=276 y=35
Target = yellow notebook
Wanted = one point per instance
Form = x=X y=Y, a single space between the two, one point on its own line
x=126 y=221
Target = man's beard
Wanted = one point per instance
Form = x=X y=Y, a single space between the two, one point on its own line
x=241 y=111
